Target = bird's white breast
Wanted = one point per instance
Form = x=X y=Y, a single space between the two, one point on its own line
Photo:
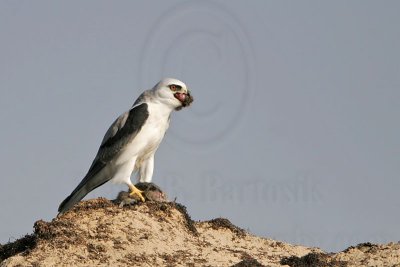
x=149 y=137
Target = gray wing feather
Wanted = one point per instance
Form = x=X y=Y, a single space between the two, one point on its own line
x=115 y=127
x=122 y=131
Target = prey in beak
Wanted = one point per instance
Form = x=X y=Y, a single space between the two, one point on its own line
x=185 y=98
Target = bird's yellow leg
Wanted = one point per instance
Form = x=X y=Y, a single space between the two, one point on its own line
x=135 y=193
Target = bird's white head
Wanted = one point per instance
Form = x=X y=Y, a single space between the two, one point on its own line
x=173 y=93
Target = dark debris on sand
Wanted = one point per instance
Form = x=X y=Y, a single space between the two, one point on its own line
x=222 y=223
x=312 y=260
x=189 y=222
x=10 y=249
x=365 y=247
x=248 y=263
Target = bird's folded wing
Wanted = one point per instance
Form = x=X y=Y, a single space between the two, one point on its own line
x=121 y=132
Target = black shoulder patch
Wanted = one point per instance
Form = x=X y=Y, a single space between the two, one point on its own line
x=135 y=121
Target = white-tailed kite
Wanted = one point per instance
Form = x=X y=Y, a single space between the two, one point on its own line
x=131 y=141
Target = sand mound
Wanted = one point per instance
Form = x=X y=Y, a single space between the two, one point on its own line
x=100 y=233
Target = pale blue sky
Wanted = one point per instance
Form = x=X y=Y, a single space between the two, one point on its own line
x=294 y=132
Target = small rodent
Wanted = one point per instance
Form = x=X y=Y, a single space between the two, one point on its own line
x=151 y=192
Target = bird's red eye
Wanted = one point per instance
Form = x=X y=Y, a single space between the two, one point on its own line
x=173 y=87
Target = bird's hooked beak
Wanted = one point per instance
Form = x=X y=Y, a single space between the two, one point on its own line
x=185 y=98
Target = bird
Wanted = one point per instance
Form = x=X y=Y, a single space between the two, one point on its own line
x=131 y=141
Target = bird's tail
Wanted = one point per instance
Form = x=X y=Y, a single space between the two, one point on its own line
x=72 y=199
x=93 y=179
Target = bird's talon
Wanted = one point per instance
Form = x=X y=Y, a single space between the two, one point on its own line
x=136 y=194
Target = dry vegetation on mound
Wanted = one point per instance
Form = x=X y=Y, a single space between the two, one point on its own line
x=100 y=233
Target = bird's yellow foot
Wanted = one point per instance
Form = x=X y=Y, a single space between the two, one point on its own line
x=136 y=193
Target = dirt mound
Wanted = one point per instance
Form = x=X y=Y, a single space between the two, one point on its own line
x=101 y=233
